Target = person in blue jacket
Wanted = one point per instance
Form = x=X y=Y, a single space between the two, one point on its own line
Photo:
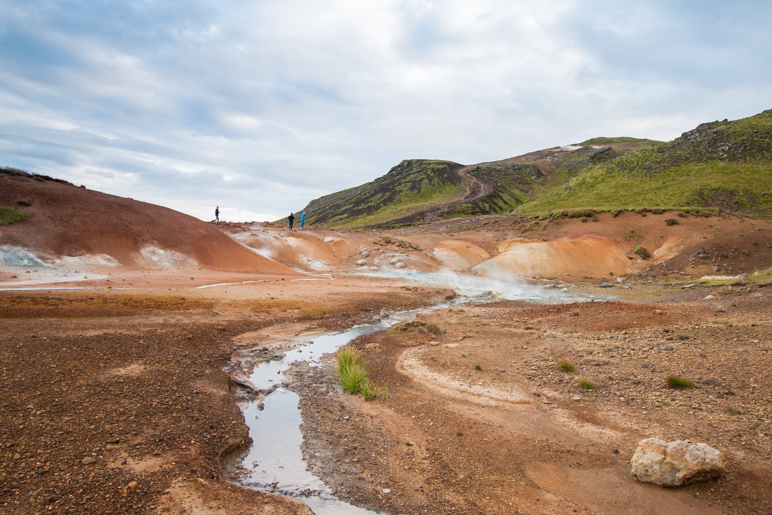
x=302 y=220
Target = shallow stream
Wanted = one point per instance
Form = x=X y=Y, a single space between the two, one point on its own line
x=275 y=462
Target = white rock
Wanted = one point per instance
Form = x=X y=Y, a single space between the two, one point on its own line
x=361 y=262
x=365 y=254
x=399 y=264
x=377 y=262
x=675 y=463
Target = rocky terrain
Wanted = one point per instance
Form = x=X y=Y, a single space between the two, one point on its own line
x=121 y=324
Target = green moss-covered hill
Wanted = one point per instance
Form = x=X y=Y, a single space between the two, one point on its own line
x=725 y=165
x=410 y=187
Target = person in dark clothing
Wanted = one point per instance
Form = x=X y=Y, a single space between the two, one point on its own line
x=217 y=214
x=291 y=219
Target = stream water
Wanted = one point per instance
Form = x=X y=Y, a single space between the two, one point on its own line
x=275 y=463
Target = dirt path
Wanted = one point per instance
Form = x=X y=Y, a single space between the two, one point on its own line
x=477 y=188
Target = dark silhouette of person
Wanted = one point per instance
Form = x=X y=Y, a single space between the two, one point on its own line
x=217 y=214
x=291 y=219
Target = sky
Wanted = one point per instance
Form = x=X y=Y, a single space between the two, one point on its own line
x=261 y=106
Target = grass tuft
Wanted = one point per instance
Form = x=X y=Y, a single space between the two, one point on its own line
x=9 y=215
x=353 y=371
x=565 y=365
x=586 y=385
x=434 y=329
x=677 y=382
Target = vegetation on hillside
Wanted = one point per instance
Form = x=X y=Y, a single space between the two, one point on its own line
x=9 y=215
x=407 y=189
x=719 y=165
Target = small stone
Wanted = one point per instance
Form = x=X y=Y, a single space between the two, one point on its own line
x=88 y=460
x=131 y=485
x=361 y=262
x=399 y=264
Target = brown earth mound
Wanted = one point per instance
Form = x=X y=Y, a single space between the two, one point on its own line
x=64 y=220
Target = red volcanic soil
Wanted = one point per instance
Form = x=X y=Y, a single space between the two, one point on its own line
x=116 y=398
x=65 y=220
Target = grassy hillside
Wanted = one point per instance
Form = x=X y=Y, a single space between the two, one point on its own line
x=720 y=164
x=725 y=165
x=409 y=188
x=511 y=183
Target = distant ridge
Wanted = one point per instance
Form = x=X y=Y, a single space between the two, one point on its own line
x=722 y=164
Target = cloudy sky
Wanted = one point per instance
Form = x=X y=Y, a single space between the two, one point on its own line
x=260 y=106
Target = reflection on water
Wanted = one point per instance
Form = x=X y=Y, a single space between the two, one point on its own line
x=275 y=461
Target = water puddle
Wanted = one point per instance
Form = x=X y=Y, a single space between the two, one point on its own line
x=275 y=462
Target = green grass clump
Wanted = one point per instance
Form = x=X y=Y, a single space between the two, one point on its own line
x=529 y=328
x=683 y=337
x=434 y=329
x=9 y=215
x=565 y=365
x=677 y=382
x=586 y=385
x=477 y=367
x=353 y=371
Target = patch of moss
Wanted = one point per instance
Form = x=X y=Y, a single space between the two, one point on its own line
x=9 y=215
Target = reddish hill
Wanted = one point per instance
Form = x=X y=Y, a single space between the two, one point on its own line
x=65 y=220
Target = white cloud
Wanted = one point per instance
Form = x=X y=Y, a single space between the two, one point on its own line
x=262 y=106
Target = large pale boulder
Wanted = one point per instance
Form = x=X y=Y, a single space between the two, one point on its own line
x=675 y=463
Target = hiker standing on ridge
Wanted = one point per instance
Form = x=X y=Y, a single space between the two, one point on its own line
x=302 y=220
x=217 y=214
x=291 y=219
